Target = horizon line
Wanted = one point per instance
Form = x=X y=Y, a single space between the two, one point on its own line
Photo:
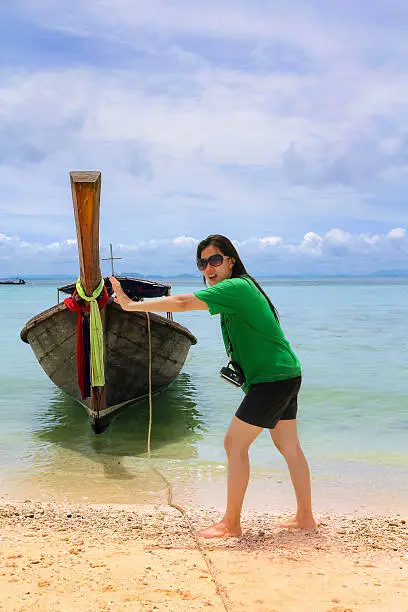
x=384 y=274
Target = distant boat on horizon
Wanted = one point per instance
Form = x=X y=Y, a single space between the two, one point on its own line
x=19 y=281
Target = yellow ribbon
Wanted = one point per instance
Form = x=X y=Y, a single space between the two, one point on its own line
x=96 y=332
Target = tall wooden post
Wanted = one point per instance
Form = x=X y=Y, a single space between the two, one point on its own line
x=86 y=193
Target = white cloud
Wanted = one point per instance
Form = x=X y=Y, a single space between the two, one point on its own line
x=240 y=118
x=185 y=241
x=220 y=148
x=145 y=24
x=311 y=244
x=333 y=252
x=121 y=19
x=337 y=236
x=398 y=232
x=270 y=241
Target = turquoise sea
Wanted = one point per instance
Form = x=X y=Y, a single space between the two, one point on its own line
x=351 y=336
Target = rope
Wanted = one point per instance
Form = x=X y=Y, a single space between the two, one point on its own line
x=149 y=435
x=218 y=588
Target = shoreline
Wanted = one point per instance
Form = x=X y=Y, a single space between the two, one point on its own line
x=56 y=556
x=204 y=486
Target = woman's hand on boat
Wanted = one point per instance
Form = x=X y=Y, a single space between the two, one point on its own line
x=120 y=296
x=174 y=303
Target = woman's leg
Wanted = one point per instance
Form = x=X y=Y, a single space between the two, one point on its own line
x=286 y=440
x=238 y=439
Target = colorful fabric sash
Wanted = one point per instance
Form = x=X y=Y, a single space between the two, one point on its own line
x=89 y=337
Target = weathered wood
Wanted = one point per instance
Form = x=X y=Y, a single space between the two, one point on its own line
x=86 y=193
x=52 y=336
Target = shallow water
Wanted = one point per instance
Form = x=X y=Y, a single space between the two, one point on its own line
x=351 y=336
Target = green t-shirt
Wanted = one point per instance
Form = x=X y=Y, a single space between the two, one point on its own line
x=250 y=329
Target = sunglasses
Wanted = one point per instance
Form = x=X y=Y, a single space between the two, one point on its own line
x=214 y=260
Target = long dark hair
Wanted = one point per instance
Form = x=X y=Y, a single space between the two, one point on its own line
x=227 y=248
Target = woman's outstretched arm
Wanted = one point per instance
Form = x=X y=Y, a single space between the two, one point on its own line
x=174 y=303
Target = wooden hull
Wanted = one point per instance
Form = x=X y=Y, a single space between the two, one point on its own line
x=52 y=336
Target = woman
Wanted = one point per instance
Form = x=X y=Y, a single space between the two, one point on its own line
x=255 y=342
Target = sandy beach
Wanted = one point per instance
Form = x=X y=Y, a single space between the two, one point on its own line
x=64 y=557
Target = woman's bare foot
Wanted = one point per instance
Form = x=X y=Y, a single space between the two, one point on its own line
x=220 y=530
x=295 y=522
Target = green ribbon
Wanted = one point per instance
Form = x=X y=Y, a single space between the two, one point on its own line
x=96 y=330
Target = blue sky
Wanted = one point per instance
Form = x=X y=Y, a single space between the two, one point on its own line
x=281 y=125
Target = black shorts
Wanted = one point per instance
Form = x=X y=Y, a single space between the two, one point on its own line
x=267 y=403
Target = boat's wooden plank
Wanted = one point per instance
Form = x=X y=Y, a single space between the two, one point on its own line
x=53 y=341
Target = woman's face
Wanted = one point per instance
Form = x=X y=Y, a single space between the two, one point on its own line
x=216 y=274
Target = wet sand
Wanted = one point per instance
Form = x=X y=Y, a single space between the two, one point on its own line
x=64 y=557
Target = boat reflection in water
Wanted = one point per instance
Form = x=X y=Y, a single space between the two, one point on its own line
x=175 y=418
x=75 y=465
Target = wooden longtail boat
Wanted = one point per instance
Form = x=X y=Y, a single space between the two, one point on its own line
x=52 y=334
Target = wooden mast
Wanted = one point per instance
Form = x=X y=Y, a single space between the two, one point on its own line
x=86 y=193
